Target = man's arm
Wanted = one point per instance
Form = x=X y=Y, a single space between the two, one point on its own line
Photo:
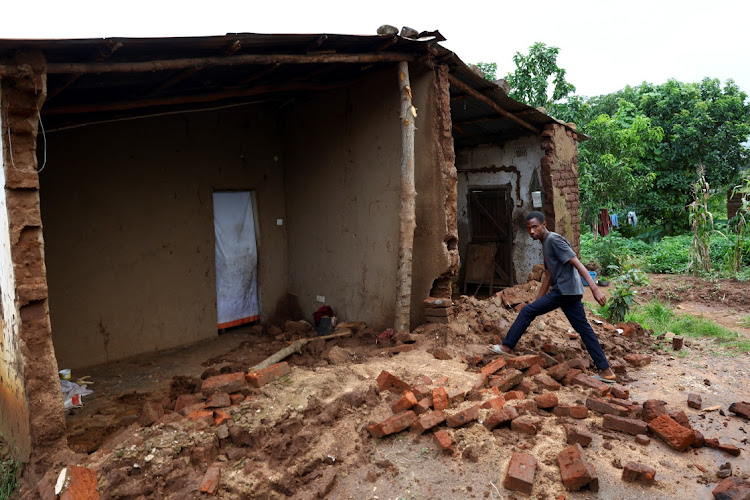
x=598 y=295
x=544 y=288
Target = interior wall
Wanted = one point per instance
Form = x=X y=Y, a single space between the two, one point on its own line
x=342 y=159
x=515 y=163
x=128 y=225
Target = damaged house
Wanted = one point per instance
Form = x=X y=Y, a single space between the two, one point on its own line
x=126 y=160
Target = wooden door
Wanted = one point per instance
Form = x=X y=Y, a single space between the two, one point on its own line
x=490 y=212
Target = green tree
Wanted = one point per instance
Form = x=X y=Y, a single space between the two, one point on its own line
x=489 y=70
x=534 y=74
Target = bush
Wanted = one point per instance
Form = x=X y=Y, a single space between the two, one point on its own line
x=671 y=255
x=610 y=251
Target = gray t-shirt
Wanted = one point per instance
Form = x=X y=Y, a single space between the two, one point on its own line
x=563 y=275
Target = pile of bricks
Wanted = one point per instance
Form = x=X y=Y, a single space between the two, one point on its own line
x=438 y=310
x=502 y=397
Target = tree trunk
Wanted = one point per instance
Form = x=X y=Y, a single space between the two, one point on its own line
x=407 y=216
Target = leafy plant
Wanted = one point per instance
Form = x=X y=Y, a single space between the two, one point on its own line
x=530 y=81
x=9 y=470
x=489 y=70
x=623 y=297
x=702 y=223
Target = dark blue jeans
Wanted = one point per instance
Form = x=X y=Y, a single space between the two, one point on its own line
x=572 y=306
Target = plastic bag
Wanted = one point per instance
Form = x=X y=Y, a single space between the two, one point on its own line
x=72 y=394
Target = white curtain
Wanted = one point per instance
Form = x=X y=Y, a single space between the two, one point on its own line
x=236 y=258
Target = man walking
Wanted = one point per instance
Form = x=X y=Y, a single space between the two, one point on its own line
x=562 y=279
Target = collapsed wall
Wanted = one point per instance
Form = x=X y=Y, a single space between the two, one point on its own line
x=31 y=415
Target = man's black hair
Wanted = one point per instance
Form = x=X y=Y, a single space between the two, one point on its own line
x=535 y=215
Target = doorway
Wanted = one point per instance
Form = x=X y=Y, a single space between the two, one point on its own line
x=236 y=259
x=490 y=211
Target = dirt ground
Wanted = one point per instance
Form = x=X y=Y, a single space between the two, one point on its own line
x=304 y=435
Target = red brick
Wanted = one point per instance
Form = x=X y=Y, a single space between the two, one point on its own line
x=259 y=378
x=444 y=440
x=399 y=349
x=228 y=382
x=575 y=470
x=437 y=302
x=618 y=367
x=732 y=488
x=441 y=381
x=605 y=407
x=423 y=380
x=520 y=474
x=549 y=361
x=526 y=406
x=150 y=413
x=681 y=418
x=201 y=415
x=579 y=364
x=742 y=409
x=493 y=366
x=699 y=439
x=586 y=381
x=428 y=421
x=544 y=381
x=523 y=362
x=210 y=482
x=456 y=396
x=634 y=471
x=463 y=417
x=672 y=433
x=404 y=403
x=637 y=359
x=726 y=448
x=558 y=371
x=480 y=384
x=627 y=425
x=570 y=376
x=421 y=392
x=221 y=416
x=236 y=398
x=534 y=369
x=506 y=379
x=218 y=400
x=442 y=354
x=514 y=395
x=391 y=425
x=494 y=403
x=627 y=330
x=652 y=409
x=526 y=424
x=423 y=406
x=184 y=400
x=620 y=392
x=440 y=398
x=81 y=484
x=694 y=401
x=578 y=412
x=473 y=360
x=389 y=382
x=577 y=434
x=524 y=387
x=642 y=439
x=500 y=417
x=546 y=401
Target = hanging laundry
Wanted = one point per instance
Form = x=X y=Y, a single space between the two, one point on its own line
x=613 y=219
x=632 y=219
x=604 y=222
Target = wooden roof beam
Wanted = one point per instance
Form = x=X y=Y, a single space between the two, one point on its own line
x=104 y=51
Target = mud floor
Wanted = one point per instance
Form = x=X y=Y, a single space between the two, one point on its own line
x=304 y=435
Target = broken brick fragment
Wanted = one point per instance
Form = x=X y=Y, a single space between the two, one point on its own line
x=227 y=382
x=605 y=407
x=545 y=382
x=627 y=425
x=570 y=376
x=444 y=440
x=618 y=367
x=642 y=439
x=620 y=391
x=526 y=424
x=437 y=302
x=634 y=471
x=520 y=473
x=184 y=400
x=558 y=371
x=441 y=381
x=80 y=484
x=420 y=392
x=506 y=379
x=404 y=403
x=575 y=470
x=236 y=398
x=428 y=421
x=577 y=411
x=493 y=366
x=210 y=482
x=494 y=403
x=259 y=378
x=732 y=488
x=668 y=430
x=389 y=382
x=150 y=413
x=423 y=406
x=463 y=417
x=523 y=362
x=201 y=415
x=218 y=400
x=525 y=406
x=694 y=401
x=637 y=359
x=741 y=409
x=653 y=408
x=681 y=418
x=391 y=425
x=456 y=396
x=546 y=401
x=221 y=417
x=500 y=417
x=440 y=398
x=590 y=382
x=442 y=354
x=423 y=380
x=577 y=434
x=524 y=386
x=534 y=369
x=699 y=439
x=726 y=448
x=399 y=349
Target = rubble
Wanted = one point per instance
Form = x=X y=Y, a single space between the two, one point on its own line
x=520 y=473
x=576 y=472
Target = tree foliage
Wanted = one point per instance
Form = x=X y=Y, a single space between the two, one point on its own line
x=489 y=70
x=534 y=74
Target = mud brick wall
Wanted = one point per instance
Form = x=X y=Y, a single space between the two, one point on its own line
x=447 y=160
x=560 y=182
x=31 y=401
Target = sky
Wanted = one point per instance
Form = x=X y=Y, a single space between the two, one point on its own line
x=604 y=45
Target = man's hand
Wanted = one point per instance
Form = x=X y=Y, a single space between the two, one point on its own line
x=598 y=295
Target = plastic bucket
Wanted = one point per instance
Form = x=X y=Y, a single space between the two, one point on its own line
x=593 y=277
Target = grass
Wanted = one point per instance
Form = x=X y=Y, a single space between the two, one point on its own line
x=9 y=470
x=745 y=321
x=661 y=319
